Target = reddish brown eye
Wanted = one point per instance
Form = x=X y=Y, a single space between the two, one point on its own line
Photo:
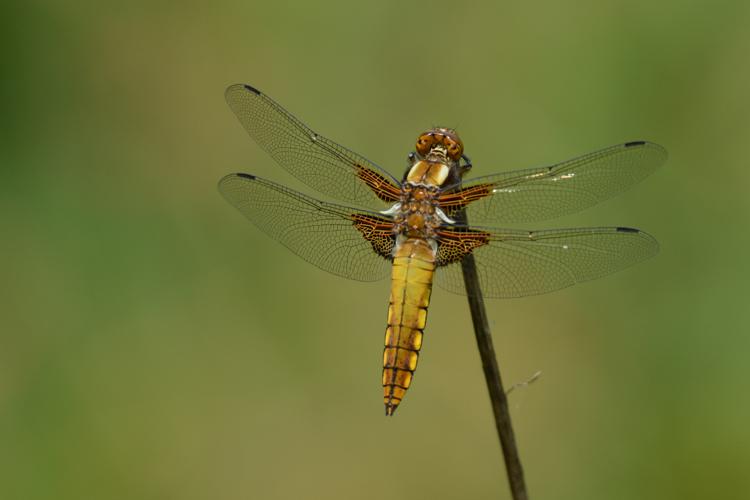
x=423 y=143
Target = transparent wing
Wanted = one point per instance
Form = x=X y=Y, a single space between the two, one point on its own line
x=519 y=263
x=543 y=193
x=318 y=162
x=345 y=241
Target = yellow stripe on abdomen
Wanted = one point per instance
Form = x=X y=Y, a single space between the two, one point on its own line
x=411 y=284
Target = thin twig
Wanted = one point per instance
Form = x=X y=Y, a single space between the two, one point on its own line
x=492 y=376
x=525 y=383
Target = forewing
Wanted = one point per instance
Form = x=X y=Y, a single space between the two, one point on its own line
x=318 y=162
x=519 y=263
x=543 y=193
x=342 y=240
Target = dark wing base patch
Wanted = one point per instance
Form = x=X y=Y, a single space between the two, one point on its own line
x=378 y=231
x=454 y=244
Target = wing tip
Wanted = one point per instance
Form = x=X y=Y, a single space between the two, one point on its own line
x=240 y=87
x=643 y=235
x=251 y=89
x=227 y=179
x=647 y=144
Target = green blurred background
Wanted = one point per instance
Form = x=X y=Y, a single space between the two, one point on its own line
x=155 y=345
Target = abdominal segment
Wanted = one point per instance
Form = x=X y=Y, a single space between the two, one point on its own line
x=411 y=284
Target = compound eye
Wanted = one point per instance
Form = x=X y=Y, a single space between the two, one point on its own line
x=454 y=149
x=424 y=143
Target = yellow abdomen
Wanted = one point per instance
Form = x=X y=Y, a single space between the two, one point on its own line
x=411 y=284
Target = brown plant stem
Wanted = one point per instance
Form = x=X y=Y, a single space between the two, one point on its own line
x=491 y=370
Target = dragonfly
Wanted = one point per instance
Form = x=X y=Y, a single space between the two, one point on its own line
x=420 y=227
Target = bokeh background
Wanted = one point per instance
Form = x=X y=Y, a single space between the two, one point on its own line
x=156 y=345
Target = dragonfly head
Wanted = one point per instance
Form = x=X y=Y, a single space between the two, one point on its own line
x=441 y=142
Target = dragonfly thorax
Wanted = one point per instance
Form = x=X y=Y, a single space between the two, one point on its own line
x=428 y=173
x=417 y=213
